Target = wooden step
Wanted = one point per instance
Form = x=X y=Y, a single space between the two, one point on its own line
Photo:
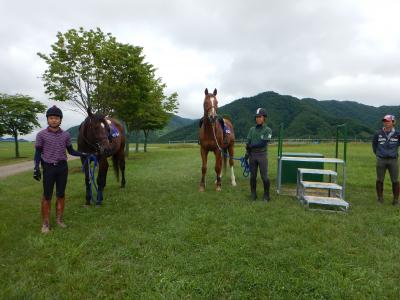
x=332 y=201
x=317 y=171
x=321 y=185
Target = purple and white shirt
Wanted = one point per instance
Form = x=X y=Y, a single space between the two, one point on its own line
x=53 y=144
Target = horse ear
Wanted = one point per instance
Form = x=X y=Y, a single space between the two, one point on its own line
x=215 y=92
x=89 y=111
x=206 y=92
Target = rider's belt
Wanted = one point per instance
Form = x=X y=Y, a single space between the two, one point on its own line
x=58 y=163
x=258 y=150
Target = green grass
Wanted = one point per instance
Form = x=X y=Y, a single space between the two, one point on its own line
x=160 y=238
x=7 y=152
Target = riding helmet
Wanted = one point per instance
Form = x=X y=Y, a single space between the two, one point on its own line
x=54 y=111
x=261 y=112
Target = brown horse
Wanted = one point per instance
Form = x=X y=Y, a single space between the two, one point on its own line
x=104 y=137
x=212 y=139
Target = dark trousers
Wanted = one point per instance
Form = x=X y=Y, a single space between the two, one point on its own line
x=390 y=164
x=258 y=160
x=54 y=174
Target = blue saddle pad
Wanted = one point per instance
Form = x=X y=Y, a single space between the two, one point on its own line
x=113 y=130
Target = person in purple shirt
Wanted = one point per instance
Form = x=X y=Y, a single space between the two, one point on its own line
x=50 y=147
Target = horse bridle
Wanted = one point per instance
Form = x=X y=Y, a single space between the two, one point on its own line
x=95 y=146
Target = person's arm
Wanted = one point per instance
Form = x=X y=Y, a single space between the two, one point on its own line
x=74 y=152
x=37 y=175
x=261 y=144
x=375 y=143
x=37 y=157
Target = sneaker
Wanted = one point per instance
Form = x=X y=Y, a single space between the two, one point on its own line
x=61 y=224
x=45 y=229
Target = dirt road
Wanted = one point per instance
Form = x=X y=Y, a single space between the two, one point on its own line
x=13 y=169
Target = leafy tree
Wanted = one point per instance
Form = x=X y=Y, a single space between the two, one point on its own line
x=18 y=115
x=158 y=114
x=92 y=69
x=88 y=67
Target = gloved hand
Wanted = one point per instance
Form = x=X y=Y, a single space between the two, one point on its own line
x=248 y=147
x=37 y=175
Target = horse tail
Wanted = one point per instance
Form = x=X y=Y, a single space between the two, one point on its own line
x=115 y=162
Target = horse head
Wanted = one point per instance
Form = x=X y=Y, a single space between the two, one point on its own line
x=96 y=133
x=210 y=105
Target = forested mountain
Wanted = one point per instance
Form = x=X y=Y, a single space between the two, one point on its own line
x=302 y=118
x=174 y=123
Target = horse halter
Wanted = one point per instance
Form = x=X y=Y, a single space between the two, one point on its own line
x=96 y=145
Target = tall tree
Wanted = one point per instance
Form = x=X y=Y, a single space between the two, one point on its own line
x=158 y=114
x=92 y=69
x=18 y=115
x=87 y=68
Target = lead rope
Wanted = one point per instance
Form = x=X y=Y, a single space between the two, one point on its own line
x=244 y=164
x=91 y=172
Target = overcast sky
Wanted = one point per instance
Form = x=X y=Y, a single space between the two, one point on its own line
x=343 y=50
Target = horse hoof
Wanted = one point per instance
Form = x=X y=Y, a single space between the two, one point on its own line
x=201 y=189
x=218 y=189
x=234 y=183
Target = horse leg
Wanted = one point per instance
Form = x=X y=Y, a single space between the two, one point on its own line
x=218 y=168
x=231 y=162
x=101 y=179
x=87 y=182
x=122 y=168
x=204 y=154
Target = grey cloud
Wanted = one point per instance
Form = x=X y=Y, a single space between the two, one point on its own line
x=307 y=48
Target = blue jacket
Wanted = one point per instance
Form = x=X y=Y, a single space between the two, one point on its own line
x=385 y=144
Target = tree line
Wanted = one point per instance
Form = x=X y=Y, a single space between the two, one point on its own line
x=91 y=69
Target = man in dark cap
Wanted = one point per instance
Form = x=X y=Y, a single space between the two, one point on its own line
x=385 y=146
x=256 y=150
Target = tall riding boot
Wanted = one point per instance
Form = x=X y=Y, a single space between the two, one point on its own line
x=266 y=190
x=253 y=188
x=396 y=190
x=45 y=207
x=379 y=191
x=60 y=212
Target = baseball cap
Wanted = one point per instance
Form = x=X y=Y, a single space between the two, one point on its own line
x=388 y=118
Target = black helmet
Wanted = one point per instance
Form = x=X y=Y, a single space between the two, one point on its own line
x=54 y=111
x=261 y=112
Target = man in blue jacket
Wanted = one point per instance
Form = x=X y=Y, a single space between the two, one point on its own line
x=385 y=146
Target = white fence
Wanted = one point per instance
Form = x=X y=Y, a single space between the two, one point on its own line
x=285 y=141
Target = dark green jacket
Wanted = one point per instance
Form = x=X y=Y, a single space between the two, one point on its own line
x=258 y=137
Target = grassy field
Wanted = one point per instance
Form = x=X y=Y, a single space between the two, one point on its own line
x=161 y=238
x=7 y=152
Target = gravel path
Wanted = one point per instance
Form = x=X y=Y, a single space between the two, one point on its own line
x=13 y=169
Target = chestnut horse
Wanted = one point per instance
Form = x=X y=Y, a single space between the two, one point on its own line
x=211 y=139
x=104 y=137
